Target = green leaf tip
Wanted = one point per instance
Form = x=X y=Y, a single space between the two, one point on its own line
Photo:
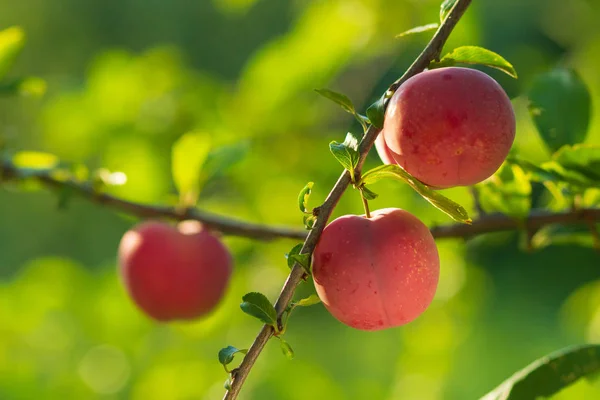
x=258 y=306
x=441 y=202
x=475 y=55
x=343 y=101
x=418 y=29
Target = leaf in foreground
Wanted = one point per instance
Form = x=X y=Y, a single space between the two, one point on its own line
x=476 y=55
x=549 y=374
x=441 y=202
x=257 y=305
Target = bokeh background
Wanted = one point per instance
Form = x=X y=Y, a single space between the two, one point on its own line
x=127 y=78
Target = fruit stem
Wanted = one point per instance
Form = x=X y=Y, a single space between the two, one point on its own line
x=365 y=204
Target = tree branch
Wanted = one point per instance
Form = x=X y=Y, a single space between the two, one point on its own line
x=487 y=223
x=431 y=52
x=229 y=226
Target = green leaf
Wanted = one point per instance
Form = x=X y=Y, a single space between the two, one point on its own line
x=346 y=155
x=507 y=191
x=444 y=204
x=308 y=301
x=226 y=355
x=303 y=197
x=560 y=106
x=338 y=98
x=12 y=41
x=475 y=55
x=418 y=29
x=368 y=193
x=286 y=349
x=581 y=158
x=345 y=102
x=376 y=112
x=294 y=256
x=445 y=9
x=227 y=384
x=257 y=305
x=294 y=251
x=309 y=221
x=549 y=374
x=188 y=155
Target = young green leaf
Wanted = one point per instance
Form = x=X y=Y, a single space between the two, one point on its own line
x=188 y=155
x=294 y=256
x=445 y=9
x=308 y=301
x=257 y=305
x=475 y=55
x=376 y=112
x=444 y=204
x=12 y=41
x=346 y=155
x=303 y=260
x=226 y=355
x=294 y=251
x=418 y=29
x=549 y=374
x=303 y=197
x=345 y=102
x=286 y=349
x=368 y=193
x=560 y=106
x=309 y=221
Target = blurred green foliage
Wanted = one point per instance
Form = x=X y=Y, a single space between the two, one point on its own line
x=128 y=78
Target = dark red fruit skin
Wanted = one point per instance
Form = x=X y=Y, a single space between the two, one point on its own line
x=448 y=127
x=171 y=274
x=376 y=273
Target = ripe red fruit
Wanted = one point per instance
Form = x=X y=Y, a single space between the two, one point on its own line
x=448 y=127
x=174 y=273
x=376 y=273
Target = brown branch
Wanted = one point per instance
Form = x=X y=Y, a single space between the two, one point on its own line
x=431 y=52
x=229 y=226
x=499 y=222
x=485 y=224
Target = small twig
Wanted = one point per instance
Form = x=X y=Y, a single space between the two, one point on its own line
x=229 y=226
x=476 y=202
x=431 y=52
